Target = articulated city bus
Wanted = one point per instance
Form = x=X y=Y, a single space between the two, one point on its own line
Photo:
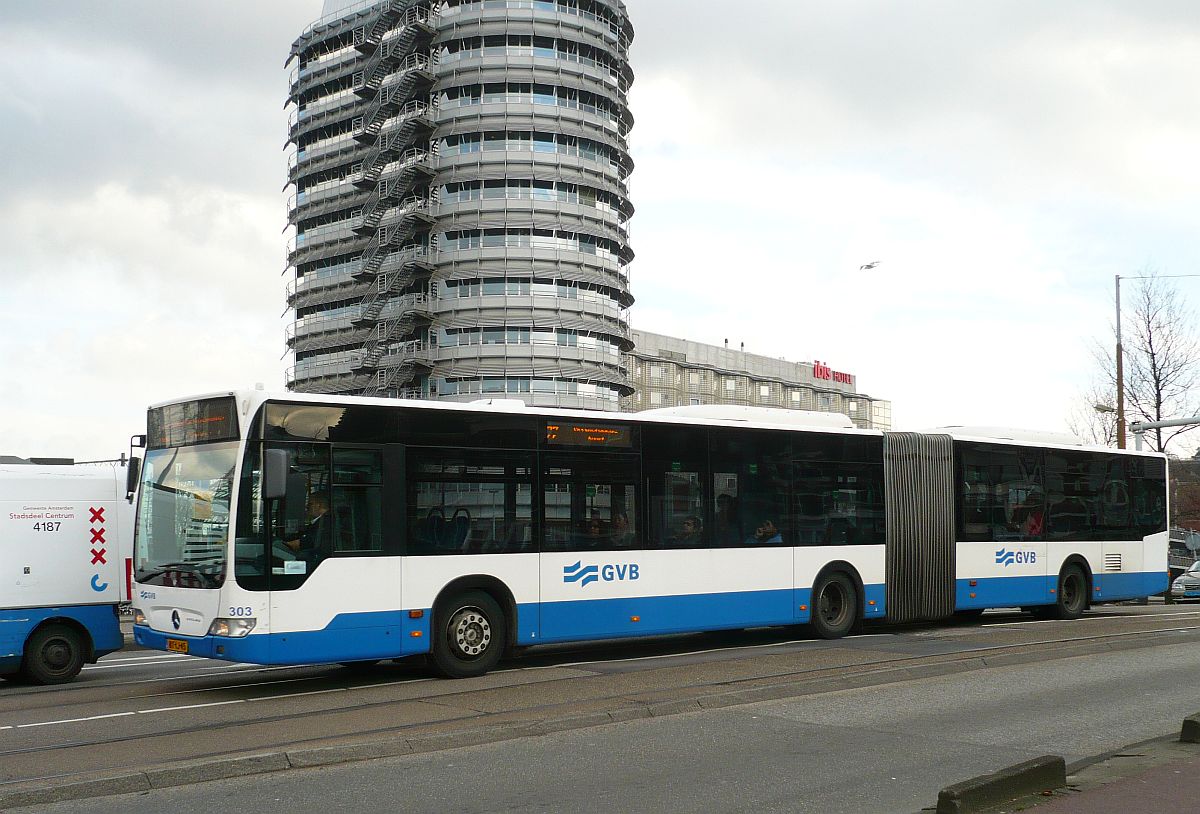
x=296 y=529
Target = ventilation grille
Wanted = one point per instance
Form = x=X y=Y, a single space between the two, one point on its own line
x=919 y=492
x=1112 y=562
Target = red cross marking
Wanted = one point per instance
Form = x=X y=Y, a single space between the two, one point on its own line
x=97 y=535
x=98 y=556
x=97 y=515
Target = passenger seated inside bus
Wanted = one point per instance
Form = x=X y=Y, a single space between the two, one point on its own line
x=691 y=533
x=766 y=534
x=622 y=534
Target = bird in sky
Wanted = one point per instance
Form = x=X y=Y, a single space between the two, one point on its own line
x=868 y=266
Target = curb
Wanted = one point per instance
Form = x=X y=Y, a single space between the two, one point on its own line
x=981 y=793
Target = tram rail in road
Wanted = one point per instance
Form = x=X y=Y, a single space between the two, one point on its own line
x=182 y=709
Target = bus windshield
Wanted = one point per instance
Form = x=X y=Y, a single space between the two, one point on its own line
x=183 y=515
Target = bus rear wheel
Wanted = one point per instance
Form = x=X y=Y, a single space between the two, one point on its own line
x=53 y=655
x=470 y=632
x=834 y=606
x=1072 y=593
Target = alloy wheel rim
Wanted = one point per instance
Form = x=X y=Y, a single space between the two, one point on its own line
x=470 y=632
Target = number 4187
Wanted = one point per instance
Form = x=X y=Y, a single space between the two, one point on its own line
x=49 y=525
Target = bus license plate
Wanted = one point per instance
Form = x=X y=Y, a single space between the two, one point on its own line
x=177 y=645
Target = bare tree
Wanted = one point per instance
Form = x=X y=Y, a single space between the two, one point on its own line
x=1084 y=421
x=1162 y=365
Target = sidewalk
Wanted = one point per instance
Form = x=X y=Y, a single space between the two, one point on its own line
x=1157 y=776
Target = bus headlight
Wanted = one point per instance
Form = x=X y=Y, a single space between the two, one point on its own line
x=231 y=628
x=139 y=618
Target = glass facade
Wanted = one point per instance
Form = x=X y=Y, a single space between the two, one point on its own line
x=460 y=191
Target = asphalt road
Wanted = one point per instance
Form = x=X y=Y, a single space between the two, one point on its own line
x=892 y=743
x=877 y=749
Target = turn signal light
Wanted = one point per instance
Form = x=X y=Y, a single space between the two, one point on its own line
x=416 y=634
x=416 y=614
x=139 y=618
x=804 y=607
x=635 y=618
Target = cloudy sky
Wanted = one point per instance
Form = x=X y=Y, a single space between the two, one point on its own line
x=1003 y=161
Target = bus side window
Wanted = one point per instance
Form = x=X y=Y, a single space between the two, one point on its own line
x=589 y=501
x=469 y=501
x=357 y=500
x=675 y=465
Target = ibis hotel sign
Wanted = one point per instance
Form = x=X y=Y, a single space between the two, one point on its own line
x=823 y=371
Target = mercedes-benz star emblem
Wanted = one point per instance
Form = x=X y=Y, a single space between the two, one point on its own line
x=175 y=619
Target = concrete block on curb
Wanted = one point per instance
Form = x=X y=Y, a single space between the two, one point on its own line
x=329 y=755
x=983 y=792
x=1190 y=731
x=80 y=790
x=573 y=722
x=218 y=769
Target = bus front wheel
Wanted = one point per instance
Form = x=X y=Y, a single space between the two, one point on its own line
x=53 y=655
x=834 y=606
x=469 y=635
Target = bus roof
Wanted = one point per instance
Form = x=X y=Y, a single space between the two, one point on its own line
x=249 y=400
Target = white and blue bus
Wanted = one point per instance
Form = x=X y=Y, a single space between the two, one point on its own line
x=65 y=538
x=297 y=529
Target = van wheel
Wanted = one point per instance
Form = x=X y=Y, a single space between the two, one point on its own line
x=1072 y=593
x=469 y=634
x=834 y=606
x=53 y=655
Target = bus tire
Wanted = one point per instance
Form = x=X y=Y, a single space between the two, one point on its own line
x=53 y=655
x=834 y=606
x=469 y=635
x=1072 y=593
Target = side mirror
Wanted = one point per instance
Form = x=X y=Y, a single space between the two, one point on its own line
x=132 y=473
x=275 y=474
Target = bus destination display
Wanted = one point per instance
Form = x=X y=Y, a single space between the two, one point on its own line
x=193 y=422
x=570 y=434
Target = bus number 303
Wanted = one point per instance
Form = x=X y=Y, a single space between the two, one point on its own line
x=241 y=611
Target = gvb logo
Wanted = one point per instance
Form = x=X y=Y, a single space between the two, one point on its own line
x=581 y=573
x=610 y=572
x=1006 y=558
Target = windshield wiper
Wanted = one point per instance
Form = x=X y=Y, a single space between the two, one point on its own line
x=184 y=567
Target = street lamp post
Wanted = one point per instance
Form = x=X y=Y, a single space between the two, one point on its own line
x=1121 y=356
x=1120 y=375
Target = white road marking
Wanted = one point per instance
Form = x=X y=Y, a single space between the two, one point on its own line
x=145 y=663
x=156 y=710
x=110 y=659
x=195 y=706
x=74 y=720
